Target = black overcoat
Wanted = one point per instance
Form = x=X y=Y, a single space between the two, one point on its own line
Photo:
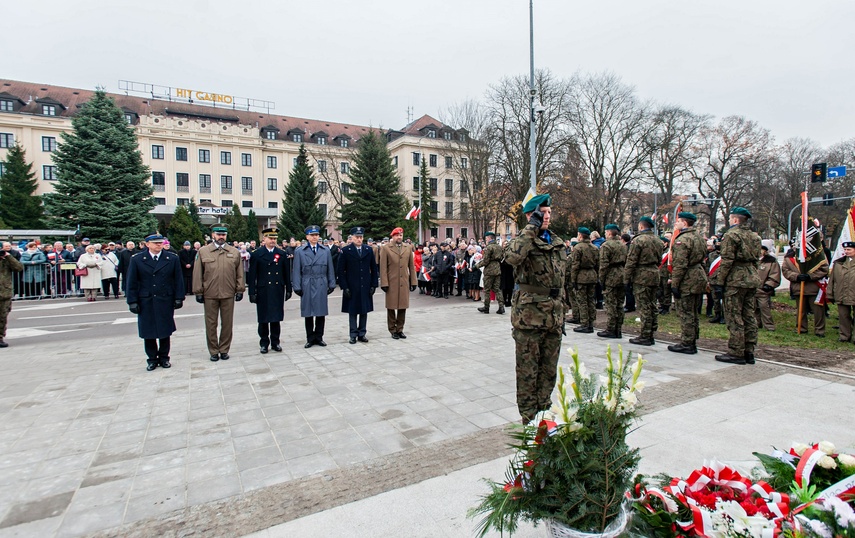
x=358 y=274
x=155 y=288
x=269 y=278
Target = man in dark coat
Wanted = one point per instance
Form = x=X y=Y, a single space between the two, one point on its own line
x=125 y=262
x=155 y=289
x=269 y=283
x=357 y=274
x=313 y=278
x=187 y=255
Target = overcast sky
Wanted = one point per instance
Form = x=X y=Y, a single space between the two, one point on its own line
x=783 y=63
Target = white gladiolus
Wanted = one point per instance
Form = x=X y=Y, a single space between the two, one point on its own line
x=846 y=460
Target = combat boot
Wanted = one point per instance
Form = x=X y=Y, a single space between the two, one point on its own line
x=583 y=329
x=574 y=321
x=484 y=310
x=716 y=319
x=642 y=341
x=607 y=334
x=501 y=309
x=730 y=359
x=749 y=357
x=681 y=348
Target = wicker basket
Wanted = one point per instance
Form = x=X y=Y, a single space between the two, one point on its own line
x=614 y=529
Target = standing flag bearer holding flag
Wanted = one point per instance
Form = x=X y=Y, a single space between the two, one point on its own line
x=806 y=271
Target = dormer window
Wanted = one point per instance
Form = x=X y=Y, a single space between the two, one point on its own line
x=129 y=118
x=446 y=135
x=431 y=133
x=343 y=140
x=322 y=140
x=296 y=137
x=462 y=137
x=6 y=105
x=269 y=132
x=49 y=110
x=270 y=135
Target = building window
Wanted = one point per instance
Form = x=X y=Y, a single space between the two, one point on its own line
x=433 y=161
x=49 y=172
x=434 y=232
x=464 y=211
x=433 y=187
x=183 y=201
x=416 y=183
x=431 y=133
x=272 y=205
x=7 y=140
x=225 y=157
x=322 y=166
x=160 y=201
x=246 y=185
x=180 y=154
x=344 y=142
x=449 y=162
x=204 y=155
x=462 y=137
x=464 y=232
x=272 y=161
x=322 y=187
x=7 y=106
x=464 y=187
x=447 y=135
x=204 y=182
x=182 y=182
x=395 y=161
x=246 y=204
x=226 y=183
x=246 y=159
x=434 y=208
x=48 y=143
x=129 y=118
x=322 y=140
x=464 y=162
x=345 y=168
x=297 y=137
x=158 y=179
x=204 y=201
x=323 y=208
x=417 y=158
x=345 y=188
x=48 y=110
x=270 y=135
x=449 y=233
x=157 y=152
x=272 y=184
x=449 y=186
x=226 y=203
x=449 y=209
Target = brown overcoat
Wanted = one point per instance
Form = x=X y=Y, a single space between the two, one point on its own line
x=398 y=272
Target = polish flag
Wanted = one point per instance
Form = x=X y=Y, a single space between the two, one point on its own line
x=714 y=266
x=665 y=218
x=664 y=259
x=426 y=275
x=414 y=212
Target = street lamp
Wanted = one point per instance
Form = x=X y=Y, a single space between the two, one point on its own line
x=534 y=106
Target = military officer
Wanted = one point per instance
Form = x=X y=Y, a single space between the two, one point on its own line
x=154 y=291
x=737 y=281
x=688 y=280
x=537 y=314
x=357 y=274
x=492 y=270
x=770 y=279
x=841 y=289
x=218 y=282
x=612 y=260
x=584 y=261
x=397 y=279
x=269 y=285
x=313 y=279
x=8 y=265
x=642 y=272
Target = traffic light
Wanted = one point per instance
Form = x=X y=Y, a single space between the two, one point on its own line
x=827 y=198
x=818 y=172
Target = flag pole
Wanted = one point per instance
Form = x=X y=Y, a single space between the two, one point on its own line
x=802 y=253
x=801 y=308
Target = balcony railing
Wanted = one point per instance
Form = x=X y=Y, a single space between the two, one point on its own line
x=182 y=188
x=226 y=191
x=246 y=191
x=159 y=188
x=204 y=189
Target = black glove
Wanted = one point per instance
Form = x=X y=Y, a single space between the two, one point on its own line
x=627 y=288
x=719 y=292
x=412 y=288
x=346 y=293
x=238 y=297
x=287 y=295
x=385 y=289
x=134 y=308
x=803 y=278
x=536 y=219
x=372 y=290
x=676 y=293
x=177 y=304
x=767 y=288
x=299 y=293
x=200 y=299
x=253 y=297
x=330 y=290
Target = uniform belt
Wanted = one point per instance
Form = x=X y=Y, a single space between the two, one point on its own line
x=540 y=290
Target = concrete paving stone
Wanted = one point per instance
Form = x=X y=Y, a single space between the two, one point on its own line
x=258 y=457
x=167 y=430
x=27 y=442
x=316 y=414
x=210 y=436
x=41 y=527
x=207 y=411
x=79 y=523
x=457 y=428
x=467 y=409
x=64 y=464
x=279 y=410
x=101 y=423
x=110 y=472
x=261 y=477
x=162 y=460
x=487 y=420
x=254 y=441
x=127 y=426
x=356 y=452
x=295 y=448
x=510 y=414
x=22 y=457
x=210 y=468
x=311 y=464
x=213 y=489
x=386 y=445
x=206 y=452
x=245 y=416
x=117 y=491
x=155 y=503
x=339 y=438
x=158 y=479
x=328 y=425
x=168 y=416
x=202 y=425
x=249 y=428
x=130 y=411
x=164 y=444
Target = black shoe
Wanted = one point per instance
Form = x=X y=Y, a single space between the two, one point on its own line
x=664 y=311
x=501 y=309
x=459 y=294
x=224 y=356
x=151 y=366
x=263 y=349
x=680 y=348
x=215 y=358
x=352 y=340
x=484 y=310
x=583 y=329
x=641 y=341
x=276 y=347
x=730 y=359
x=164 y=363
x=309 y=344
x=395 y=336
x=3 y=343
x=628 y=310
x=402 y=335
x=608 y=334
x=362 y=339
x=749 y=357
x=820 y=336
x=722 y=322
x=599 y=306
x=321 y=342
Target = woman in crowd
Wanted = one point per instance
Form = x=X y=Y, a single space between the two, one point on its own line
x=91 y=281
x=474 y=273
x=417 y=261
x=109 y=274
x=33 y=260
x=427 y=268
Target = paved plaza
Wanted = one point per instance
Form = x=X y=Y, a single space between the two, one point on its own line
x=344 y=440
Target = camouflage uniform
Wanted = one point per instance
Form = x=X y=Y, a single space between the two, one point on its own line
x=740 y=258
x=537 y=315
x=583 y=273
x=664 y=292
x=641 y=270
x=492 y=270
x=8 y=265
x=612 y=260
x=689 y=276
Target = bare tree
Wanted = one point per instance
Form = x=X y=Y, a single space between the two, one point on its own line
x=328 y=169
x=669 y=146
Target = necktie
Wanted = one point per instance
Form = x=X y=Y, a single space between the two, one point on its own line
x=314 y=250
x=155 y=257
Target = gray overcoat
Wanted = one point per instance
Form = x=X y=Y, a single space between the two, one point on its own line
x=313 y=274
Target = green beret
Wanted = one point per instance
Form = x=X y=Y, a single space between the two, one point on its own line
x=686 y=215
x=611 y=227
x=584 y=231
x=220 y=229
x=740 y=211
x=536 y=202
x=487 y=234
x=648 y=220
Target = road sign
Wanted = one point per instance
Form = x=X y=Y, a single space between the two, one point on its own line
x=837 y=171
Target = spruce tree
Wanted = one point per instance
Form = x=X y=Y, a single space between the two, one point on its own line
x=236 y=224
x=102 y=184
x=182 y=228
x=300 y=204
x=251 y=226
x=20 y=207
x=374 y=201
x=426 y=217
x=193 y=209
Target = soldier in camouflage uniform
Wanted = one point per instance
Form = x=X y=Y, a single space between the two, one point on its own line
x=737 y=281
x=642 y=272
x=8 y=265
x=688 y=280
x=537 y=315
x=492 y=270
x=569 y=292
x=664 y=292
x=584 y=261
x=612 y=260
x=713 y=254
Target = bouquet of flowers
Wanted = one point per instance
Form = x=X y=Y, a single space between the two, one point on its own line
x=572 y=464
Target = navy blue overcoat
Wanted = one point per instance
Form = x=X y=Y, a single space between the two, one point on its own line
x=357 y=273
x=268 y=279
x=155 y=288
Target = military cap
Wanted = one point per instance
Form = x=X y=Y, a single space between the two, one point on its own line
x=611 y=227
x=686 y=215
x=397 y=231
x=740 y=211
x=584 y=231
x=849 y=244
x=155 y=238
x=487 y=234
x=313 y=229
x=536 y=202
x=220 y=229
x=648 y=220
x=273 y=231
x=357 y=230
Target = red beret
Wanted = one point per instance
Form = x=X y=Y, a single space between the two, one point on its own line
x=398 y=231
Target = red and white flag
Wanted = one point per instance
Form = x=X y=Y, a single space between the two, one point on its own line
x=846 y=234
x=413 y=213
x=822 y=296
x=425 y=274
x=715 y=265
x=664 y=259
